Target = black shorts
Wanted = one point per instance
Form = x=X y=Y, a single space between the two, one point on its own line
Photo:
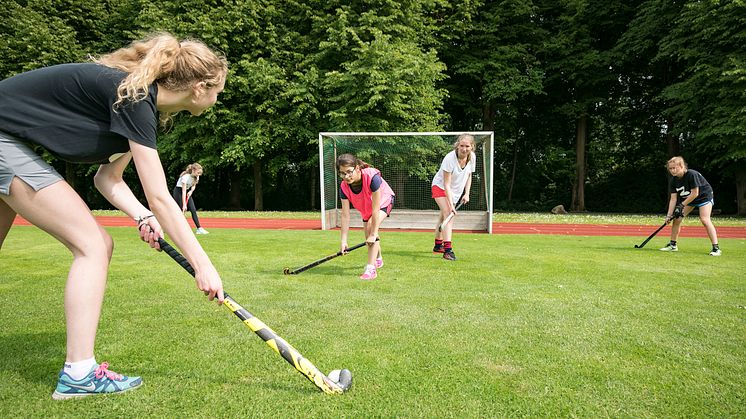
x=386 y=209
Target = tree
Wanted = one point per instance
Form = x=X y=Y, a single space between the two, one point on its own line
x=32 y=39
x=377 y=77
x=709 y=38
x=579 y=68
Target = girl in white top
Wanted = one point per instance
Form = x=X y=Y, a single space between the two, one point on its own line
x=451 y=184
x=188 y=180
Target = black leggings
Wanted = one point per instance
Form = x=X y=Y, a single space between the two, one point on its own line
x=190 y=205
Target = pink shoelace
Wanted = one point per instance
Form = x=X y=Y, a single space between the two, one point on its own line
x=103 y=369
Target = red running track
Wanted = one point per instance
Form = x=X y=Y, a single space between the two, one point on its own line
x=497 y=228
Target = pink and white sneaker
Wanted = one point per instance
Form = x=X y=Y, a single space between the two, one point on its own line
x=370 y=273
x=379 y=263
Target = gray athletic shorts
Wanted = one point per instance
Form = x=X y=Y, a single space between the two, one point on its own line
x=19 y=160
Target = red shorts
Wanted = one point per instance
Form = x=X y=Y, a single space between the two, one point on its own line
x=437 y=192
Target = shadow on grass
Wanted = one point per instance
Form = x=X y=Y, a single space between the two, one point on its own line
x=36 y=357
x=415 y=254
x=330 y=268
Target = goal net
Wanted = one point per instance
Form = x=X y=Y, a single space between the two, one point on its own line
x=407 y=161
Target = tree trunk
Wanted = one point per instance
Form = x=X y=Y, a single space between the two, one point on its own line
x=574 y=194
x=741 y=188
x=512 y=174
x=673 y=147
x=578 y=202
x=258 y=200
x=313 y=177
x=488 y=117
x=234 y=197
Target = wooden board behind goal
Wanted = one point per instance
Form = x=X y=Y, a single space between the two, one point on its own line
x=415 y=220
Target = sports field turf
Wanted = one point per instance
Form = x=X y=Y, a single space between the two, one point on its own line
x=518 y=326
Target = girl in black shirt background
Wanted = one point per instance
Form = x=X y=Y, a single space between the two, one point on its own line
x=689 y=190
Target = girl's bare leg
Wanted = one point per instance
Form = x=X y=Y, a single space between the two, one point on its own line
x=444 y=234
x=7 y=215
x=704 y=216
x=374 y=250
x=91 y=248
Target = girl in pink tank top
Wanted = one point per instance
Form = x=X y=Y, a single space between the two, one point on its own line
x=364 y=188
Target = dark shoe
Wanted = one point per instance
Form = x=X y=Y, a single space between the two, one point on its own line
x=449 y=255
x=438 y=248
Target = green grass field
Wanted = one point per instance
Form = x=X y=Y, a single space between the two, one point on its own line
x=518 y=326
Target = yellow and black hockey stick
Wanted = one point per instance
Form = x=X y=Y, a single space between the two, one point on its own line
x=290 y=354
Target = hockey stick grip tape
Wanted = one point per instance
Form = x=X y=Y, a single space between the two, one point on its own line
x=175 y=255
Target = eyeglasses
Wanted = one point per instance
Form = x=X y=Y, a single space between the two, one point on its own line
x=346 y=173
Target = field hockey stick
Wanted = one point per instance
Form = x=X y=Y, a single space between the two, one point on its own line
x=290 y=354
x=443 y=224
x=652 y=235
x=287 y=271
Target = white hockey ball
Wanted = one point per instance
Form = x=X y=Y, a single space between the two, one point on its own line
x=334 y=375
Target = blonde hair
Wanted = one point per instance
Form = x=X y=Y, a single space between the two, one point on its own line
x=470 y=139
x=161 y=58
x=677 y=160
x=190 y=170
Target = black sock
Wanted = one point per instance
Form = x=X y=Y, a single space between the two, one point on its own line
x=715 y=246
x=673 y=242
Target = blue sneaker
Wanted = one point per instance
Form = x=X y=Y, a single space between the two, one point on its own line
x=99 y=381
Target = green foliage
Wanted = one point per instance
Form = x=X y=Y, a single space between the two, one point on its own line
x=387 y=86
x=490 y=49
x=653 y=76
x=709 y=37
x=32 y=39
x=377 y=76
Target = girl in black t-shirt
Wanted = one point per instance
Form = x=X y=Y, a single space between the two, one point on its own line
x=689 y=190
x=103 y=112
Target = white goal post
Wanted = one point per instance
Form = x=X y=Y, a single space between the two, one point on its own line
x=407 y=161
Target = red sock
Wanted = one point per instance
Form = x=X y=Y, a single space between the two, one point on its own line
x=438 y=242
x=447 y=245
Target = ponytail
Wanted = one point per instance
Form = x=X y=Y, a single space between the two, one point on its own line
x=162 y=58
x=190 y=169
x=348 y=159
